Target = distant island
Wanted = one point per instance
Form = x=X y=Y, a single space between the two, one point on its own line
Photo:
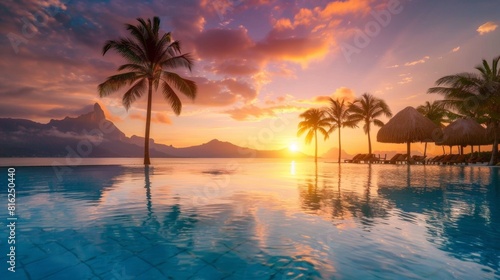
x=92 y=135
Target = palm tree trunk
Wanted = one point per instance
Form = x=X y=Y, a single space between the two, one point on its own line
x=316 y=146
x=340 y=146
x=369 y=143
x=494 y=149
x=148 y=124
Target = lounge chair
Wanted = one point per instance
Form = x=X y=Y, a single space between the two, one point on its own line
x=451 y=159
x=369 y=158
x=356 y=157
x=438 y=159
x=418 y=159
x=392 y=160
x=402 y=159
x=459 y=160
x=432 y=160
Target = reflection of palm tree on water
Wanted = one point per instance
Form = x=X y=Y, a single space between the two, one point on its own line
x=311 y=198
x=151 y=219
x=360 y=206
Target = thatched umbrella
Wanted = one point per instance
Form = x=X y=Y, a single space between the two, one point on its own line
x=408 y=126
x=464 y=132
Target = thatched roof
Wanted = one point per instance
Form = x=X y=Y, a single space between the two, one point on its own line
x=408 y=126
x=464 y=132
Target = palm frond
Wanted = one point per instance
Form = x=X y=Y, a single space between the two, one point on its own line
x=187 y=87
x=134 y=93
x=172 y=98
x=309 y=136
x=116 y=82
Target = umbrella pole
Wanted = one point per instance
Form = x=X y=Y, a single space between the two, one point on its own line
x=408 y=151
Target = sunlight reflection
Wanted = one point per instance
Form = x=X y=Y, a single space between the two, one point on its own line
x=292 y=167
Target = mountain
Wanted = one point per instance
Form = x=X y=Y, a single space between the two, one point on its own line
x=92 y=135
x=333 y=153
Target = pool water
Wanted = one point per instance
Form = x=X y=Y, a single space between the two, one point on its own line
x=260 y=219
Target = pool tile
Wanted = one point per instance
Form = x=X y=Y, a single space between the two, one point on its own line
x=53 y=248
x=104 y=262
x=153 y=273
x=254 y=271
x=127 y=269
x=208 y=273
x=51 y=265
x=230 y=262
x=87 y=252
x=159 y=254
x=30 y=253
x=181 y=266
x=18 y=275
x=79 y=271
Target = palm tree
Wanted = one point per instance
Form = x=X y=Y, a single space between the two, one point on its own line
x=367 y=109
x=478 y=94
x=150 y=58
x=436 y=112
x=314 y=120
x=338 y=115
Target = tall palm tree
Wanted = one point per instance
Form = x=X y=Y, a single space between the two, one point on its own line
x=339 y=115
x=477 y=93
x=436 y=112
x=314 y=120
x=368 y=109
x=150 y=58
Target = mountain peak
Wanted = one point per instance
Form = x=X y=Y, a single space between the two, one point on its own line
x=98 y=112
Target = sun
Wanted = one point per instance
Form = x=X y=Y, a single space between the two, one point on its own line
x=293 y=147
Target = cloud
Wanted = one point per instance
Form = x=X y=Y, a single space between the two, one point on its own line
x=336 y=8
x=405 y=80
x=341 y=93
x=393 y=66
x=344 y=93
x=223 y=43
x=455 y=49
x=162 y=118
x=420 y=61
x=487 y=27
x=253 y=112
x=223 y=92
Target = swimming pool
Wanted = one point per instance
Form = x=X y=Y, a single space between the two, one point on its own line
x=260 y=219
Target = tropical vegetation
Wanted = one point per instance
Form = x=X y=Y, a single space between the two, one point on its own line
x=339 y=116
x=151 y=56
x=475 y=94
x=368 y=109
x=314 y=121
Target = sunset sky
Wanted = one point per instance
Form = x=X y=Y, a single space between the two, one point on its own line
x=259 y=63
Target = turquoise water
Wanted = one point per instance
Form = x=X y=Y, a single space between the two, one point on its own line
x=260 y=219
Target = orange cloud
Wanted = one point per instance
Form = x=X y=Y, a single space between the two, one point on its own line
x=162 y=118
x=156 y=117
x=337 y=8
x=108 y=115
x=253 y=112
x=295 y=49
x=303 y=17
x=282 y=24
x=487 y=27
x=222 y=92
x=223 y=43
x=342 y=93
x=420 y=61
